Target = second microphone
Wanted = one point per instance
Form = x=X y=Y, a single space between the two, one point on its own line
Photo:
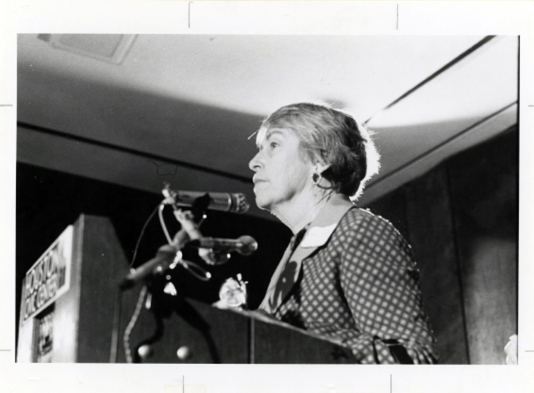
x=245 y=245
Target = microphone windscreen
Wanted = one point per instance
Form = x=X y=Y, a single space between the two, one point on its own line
x=248 y=245
x=239 y=203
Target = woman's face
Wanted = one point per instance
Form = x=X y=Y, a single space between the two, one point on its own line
x=281 y=171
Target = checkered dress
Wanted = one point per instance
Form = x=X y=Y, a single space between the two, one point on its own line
x=362 y=287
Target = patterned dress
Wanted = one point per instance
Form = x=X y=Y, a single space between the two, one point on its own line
x=353 y=278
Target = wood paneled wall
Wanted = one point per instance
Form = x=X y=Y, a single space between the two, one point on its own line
x=461 y=219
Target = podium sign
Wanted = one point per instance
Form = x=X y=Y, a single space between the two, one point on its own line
x=49 y=277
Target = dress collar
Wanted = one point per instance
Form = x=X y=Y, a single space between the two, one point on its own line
x=320 y=230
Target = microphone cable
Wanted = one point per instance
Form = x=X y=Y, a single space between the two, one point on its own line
x=191 y=267
x=161 y=206
x=196 y=270
x=118 y=303
x=142 y=233
x=131 y=325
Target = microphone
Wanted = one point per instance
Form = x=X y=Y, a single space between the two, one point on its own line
x=164 y=257
x=245 y=245
x=221 y=201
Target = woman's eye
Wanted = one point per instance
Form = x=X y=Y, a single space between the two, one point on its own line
x=273 y=145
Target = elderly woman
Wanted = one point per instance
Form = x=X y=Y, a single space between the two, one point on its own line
x=346 y=274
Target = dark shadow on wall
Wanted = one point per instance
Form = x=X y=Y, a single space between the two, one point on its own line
x=462 y=221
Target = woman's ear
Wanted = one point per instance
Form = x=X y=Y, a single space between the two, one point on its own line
x=321 y=166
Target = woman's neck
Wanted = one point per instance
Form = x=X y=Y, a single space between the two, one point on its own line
x=301 y=210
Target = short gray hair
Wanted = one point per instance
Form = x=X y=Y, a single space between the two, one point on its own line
x=335 y=137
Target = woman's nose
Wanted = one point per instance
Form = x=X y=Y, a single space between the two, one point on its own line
x=255 y=163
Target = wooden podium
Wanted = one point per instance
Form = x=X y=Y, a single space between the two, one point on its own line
x=70 y=312
x=199 y=333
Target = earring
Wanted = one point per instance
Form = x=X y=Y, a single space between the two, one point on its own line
x=316 y=178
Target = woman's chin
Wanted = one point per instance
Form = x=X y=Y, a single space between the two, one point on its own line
x=262 y=203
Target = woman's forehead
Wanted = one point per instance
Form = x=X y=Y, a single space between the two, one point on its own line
x=266 y=132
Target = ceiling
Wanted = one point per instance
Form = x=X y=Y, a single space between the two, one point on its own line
x=181 y=108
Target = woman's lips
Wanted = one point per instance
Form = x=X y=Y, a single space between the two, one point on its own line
x=258 y=183
x=258 y=180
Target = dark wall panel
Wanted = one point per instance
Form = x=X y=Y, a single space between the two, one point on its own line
x=484 y=184
x=432 y=237
x=393 y=207
x=461 y=219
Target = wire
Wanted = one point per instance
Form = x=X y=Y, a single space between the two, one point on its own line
x=196 y=270
x=142 y=233
x=162 y=222
x=133 y=321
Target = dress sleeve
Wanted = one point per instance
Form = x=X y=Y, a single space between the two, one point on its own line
x=380 y=281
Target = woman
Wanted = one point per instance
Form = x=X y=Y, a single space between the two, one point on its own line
x=347 y=273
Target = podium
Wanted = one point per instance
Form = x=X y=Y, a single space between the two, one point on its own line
x=72 y=311
x=199 y=333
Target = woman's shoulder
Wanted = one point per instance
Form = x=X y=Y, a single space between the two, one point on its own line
x=363 y=220
x=358 y=214
x=362 y=227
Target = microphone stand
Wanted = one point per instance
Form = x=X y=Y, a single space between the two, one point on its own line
x=151 y=273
